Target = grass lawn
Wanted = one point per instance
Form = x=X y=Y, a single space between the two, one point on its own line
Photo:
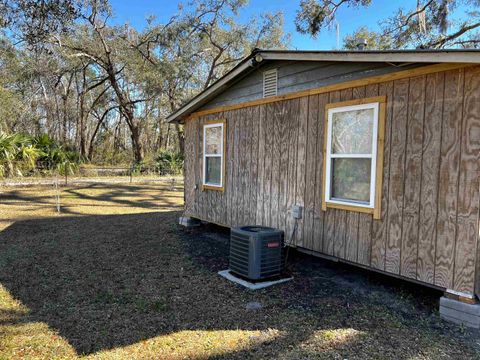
x=113 y=277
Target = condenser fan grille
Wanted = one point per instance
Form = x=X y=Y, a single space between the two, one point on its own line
x=256 y=252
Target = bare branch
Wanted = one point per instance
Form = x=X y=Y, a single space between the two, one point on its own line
x=443 y=41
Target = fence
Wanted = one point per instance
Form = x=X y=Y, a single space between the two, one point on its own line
x=43 y=174
x=92 y=190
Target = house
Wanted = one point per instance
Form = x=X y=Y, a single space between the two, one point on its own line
x=381 y=150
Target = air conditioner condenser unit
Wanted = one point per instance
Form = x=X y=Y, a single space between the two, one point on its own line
x=256 y=252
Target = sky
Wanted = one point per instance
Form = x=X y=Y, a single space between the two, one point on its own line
x=135 y=12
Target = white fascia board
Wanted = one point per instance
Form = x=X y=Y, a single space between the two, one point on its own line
x=381 y=56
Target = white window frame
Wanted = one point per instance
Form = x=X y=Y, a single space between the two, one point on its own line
x=220 y=155
x=373 y=156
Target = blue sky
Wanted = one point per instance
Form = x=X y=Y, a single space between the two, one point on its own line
x=135 y=12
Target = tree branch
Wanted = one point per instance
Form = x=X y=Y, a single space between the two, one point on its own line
x=439 y=43
x=409 y=17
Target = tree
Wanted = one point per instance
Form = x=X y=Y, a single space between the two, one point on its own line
x=33 y=21
x=432 y=24
x=314 y=15
x=100 y=46
x=105 y=90
x=10 y=87
x=199 y=46
x=374 y=40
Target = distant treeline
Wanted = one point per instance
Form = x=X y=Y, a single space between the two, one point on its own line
x=102 y=91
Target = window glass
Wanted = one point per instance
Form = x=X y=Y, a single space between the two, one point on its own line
x=213 y=170
x=351 y=179
x=351 y=155
x=352 y=132
x=213 y=165
x=213 y=140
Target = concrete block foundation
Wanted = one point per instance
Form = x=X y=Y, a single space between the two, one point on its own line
x=460 y=313
x=189 y=222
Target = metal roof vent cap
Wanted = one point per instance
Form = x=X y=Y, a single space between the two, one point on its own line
x=361 y=44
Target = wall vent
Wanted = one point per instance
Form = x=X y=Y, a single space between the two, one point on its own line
x=270 y=80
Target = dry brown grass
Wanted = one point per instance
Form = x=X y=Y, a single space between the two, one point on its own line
x=113 y=277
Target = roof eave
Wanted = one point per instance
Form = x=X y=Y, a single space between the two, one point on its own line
x=393 y=56
x=179 y=115
x=472 y=57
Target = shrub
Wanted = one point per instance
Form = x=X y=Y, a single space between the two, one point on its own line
x=56 y=157
x=21 y=154
x=18 y=154
x=169 y=162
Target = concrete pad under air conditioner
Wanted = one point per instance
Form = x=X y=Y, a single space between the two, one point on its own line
x=250 y=285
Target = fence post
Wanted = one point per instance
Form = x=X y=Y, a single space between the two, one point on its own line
x=131 y=174
x=57 y=194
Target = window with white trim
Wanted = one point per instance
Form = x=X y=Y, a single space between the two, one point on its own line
x=213 y=145
x=351 y=155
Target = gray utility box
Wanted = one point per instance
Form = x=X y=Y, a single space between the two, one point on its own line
x=256 y=252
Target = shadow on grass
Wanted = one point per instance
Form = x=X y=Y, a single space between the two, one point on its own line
x=78 y=200
x=124 y=195
x=110 y=281
x=116 y=194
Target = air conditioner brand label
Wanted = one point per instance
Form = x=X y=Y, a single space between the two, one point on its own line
x=273 y=244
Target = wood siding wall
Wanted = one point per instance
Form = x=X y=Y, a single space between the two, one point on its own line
x=296 y=76
x=429 y=228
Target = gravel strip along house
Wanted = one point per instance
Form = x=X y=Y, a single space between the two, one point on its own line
x=379 y=149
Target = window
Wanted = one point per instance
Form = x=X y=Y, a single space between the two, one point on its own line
x=213 y=155
x=270 y=81
x=353 y=162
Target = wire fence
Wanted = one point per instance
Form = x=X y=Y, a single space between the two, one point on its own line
x=45 y=174
x=91 y=190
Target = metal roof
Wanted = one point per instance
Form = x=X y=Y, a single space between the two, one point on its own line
x=258 y=56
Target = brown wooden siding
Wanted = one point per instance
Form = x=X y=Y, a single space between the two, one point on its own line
x=429 y=226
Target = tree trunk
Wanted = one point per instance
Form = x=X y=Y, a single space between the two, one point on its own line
x=138 y=152
x=65 y=120
x=167 y=138
x=159 y=140
x=83 y=145
x=117 y=135
x=181 y=139
x=128 y=113
x=92 y=140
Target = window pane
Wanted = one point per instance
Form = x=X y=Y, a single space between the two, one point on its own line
x=213 y=137
x=351 y=179
x=213 y=170
x=352 y=132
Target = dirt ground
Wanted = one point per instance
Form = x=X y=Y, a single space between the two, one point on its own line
x=113 y=277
